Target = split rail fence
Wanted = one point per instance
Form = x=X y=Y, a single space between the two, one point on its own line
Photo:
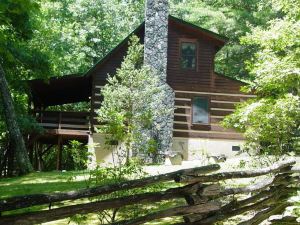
x=207 y=200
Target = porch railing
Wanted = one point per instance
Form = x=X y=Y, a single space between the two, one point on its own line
x=63 y=120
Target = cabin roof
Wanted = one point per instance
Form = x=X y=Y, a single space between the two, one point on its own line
x=60 y=90
x=221 y=40
x=218 y=39
x=76 y=88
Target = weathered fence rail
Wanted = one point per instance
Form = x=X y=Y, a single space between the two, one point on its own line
x=205 y=197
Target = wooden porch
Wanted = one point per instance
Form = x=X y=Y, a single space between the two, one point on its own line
x=63 y=121
x=60 y=127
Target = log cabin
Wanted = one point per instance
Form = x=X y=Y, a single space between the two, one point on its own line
x=202 y=97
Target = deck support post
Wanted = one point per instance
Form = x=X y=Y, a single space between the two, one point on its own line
x=30 y=147
x=40 y=159
x=59 y=153
x=36 y=157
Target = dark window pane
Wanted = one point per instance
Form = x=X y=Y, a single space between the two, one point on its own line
x=188 y=55
x=200 y=110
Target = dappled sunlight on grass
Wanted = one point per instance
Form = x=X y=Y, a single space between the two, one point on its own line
x=41 y=182
x=166 y=221
x=90 y=219
x=52 y=182
x=35 y=188
x=45 y=182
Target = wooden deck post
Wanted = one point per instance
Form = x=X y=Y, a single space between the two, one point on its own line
x=59 y=153
x=36 y=147
x=59 y=120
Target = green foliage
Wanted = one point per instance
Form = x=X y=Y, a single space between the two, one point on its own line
x=75 y=156
x=128 y=99
x=114 y=175
x=46 y=37
x=19 y=59
x=233 y=19
x=270 y=125
x=39 y=38
x=29 y=124
x=72 y=107
x=271 y=121
x=16 y=15
x=75 y=34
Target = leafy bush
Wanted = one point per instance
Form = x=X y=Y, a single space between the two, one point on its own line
x=74 y=157
x=128 y=107
x=113 y=175
x=271 y=121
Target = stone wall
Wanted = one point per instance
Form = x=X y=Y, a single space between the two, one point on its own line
x=156 y=36
x=202 y=148
x=155 y=56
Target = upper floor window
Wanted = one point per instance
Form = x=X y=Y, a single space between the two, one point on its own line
x=188 y=55
x=200 y=110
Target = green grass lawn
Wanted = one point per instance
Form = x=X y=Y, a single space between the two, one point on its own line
x=42 y=182
x=51 y=182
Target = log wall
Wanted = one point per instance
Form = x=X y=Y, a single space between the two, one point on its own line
x=222 y=92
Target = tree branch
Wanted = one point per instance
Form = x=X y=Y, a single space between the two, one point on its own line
x=177 y=211
x=63 y=212
x=283 y=166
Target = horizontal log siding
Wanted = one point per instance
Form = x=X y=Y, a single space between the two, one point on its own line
x=202 y=79
x=185 y=78
x=183 y=126
x=222 y=92
x=208 y=135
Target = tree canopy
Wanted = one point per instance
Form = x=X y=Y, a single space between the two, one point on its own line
x=14 y=58
x=271 y=121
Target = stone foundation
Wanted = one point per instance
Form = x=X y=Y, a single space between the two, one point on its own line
x=189 y=149
x=199 y=148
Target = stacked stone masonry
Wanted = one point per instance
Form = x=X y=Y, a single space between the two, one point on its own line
x=155 y=56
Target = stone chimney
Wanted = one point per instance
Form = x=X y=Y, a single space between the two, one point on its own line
x=156 y=36
x=155 y=56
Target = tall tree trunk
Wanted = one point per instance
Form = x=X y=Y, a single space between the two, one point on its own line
x=17 y=141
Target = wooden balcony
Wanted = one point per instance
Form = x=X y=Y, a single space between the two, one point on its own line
x=64 y=123
x=60 y=128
